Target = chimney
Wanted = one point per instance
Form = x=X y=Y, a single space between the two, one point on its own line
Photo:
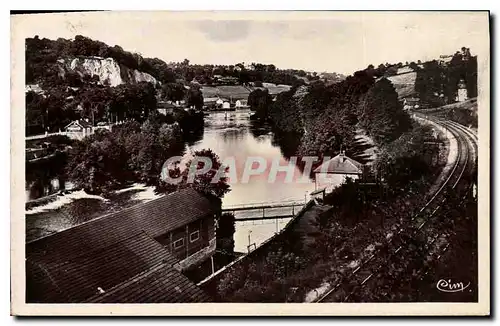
x=342 y=155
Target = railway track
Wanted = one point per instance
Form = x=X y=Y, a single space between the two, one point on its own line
x=400 y=245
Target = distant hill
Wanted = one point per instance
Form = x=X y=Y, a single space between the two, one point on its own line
x=404 y=83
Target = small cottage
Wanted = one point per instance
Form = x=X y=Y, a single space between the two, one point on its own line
x=335 y=171
x=78 y=129
x=461 y=92
x=166 y=107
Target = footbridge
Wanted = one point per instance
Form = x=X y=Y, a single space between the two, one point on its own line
x=264 y=211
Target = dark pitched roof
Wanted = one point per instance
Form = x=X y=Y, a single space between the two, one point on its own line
x=78 y=278
x=71 y=265
x=155 y=217
x=158 y=285
x=340 y=164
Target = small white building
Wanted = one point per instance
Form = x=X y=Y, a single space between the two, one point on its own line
x=219 y=102
x=462 y=92
x=78 y=129
x=334 y=172
x=241 y=104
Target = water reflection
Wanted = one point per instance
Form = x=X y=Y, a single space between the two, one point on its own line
x=233 y=135
x=230 y=136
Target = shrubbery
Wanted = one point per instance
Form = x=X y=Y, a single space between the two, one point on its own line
x=131 y=152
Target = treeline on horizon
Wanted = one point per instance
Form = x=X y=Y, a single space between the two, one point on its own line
x=325 y=117
x=296 y=263
x=69 y=95
x=41 y=53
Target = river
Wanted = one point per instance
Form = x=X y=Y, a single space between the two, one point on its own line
x=230 y=135
x=234 y=135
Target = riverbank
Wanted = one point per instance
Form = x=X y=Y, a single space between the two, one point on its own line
x=330 y=241
x=235 y=136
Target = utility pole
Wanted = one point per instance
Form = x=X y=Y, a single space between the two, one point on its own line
x=249 y=242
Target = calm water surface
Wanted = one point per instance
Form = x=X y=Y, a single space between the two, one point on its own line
x=234 y=135
x=230 y=134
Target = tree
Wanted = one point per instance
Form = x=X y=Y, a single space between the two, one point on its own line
x=95 y=102
x=194 y=98
x=259 y=101
x=150 y=146
x=173 y=91
x=225 y=235
x=36 y=113
x=133 y=101
x=97 y=163
x=201 y=182
x=381 y=113
x=407 y=159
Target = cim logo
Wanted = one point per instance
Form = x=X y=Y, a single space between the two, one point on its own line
x=450 y=287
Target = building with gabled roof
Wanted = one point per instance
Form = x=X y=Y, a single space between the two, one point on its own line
x=116 y=257
x=78 y=129
x=335 y=171
x=78 y=125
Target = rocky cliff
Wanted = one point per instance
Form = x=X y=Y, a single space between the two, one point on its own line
x=107 y=69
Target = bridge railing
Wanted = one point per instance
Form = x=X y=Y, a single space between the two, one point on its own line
x=263 y=205
x=258 y=249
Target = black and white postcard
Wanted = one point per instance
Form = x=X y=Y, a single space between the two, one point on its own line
x=250 y=163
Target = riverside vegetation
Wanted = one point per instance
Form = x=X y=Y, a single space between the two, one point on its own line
x=361 y=212
x=321 y=116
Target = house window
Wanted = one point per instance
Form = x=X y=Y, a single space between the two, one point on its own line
x=194 y=236
x=178 y=243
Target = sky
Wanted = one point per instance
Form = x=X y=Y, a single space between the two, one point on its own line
x=341 y=42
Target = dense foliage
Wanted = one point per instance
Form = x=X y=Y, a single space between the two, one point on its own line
x=259 y=101
x=189 y=177
x=310 y=254
x=57 y=106
x=381 y=114
x=325 y=117
x=131 y=152
x=225 y=236
x=437 y=83
x=42 y=54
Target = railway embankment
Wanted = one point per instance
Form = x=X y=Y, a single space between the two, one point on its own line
x=320 y=248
